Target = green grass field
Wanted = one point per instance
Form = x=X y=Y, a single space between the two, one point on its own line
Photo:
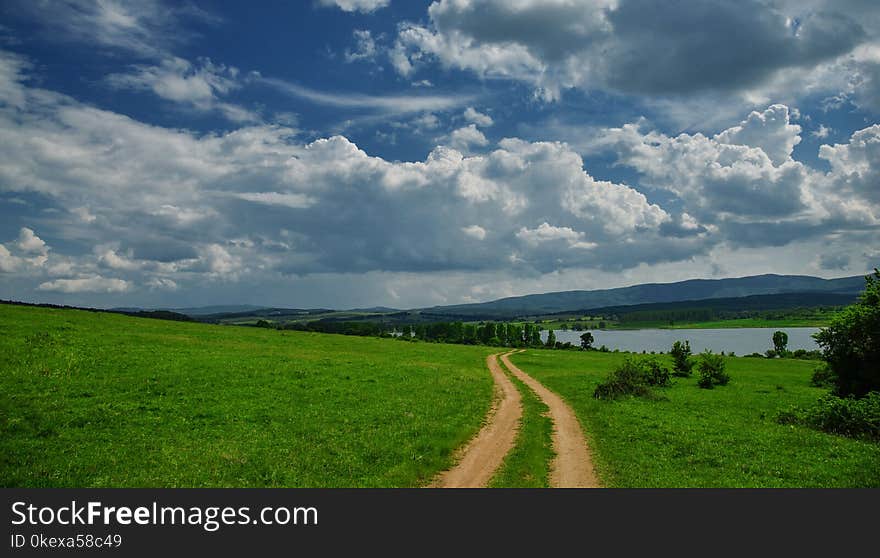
x=102 y=400
x=724 y=437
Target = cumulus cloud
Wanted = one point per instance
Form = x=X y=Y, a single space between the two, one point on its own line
x=364 y=6
x=546 y=232
x=855 y=165
x=474 y=231
x=744 y=181
x=8 y=262
x=173 y=209
x=821 y=132
x=365 y=47
x=30 y=243
x=171 y=200
x=770 y=130
x=476 y=117
x=636 y=47
x=465 y=138
x=90 y=284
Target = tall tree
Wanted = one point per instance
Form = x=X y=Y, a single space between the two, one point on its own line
x=587 y=341
x=851 y=343
x=551 y=339
x=780 y=343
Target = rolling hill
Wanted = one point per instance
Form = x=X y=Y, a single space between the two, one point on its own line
x=650 y=293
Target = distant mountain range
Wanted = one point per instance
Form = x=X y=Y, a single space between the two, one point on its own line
x=650 y=293
x=798 y=287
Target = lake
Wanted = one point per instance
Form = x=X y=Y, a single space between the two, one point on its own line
x=741 y=341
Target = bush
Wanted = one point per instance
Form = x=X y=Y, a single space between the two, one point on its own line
x=851 y=343
x=711 y=369
x=681 y=357
x=633 y=377
x=655 y=374
x=844 y=416
x=823 y=376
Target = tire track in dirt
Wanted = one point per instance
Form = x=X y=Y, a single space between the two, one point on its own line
x=484 y=454
x=573 y=465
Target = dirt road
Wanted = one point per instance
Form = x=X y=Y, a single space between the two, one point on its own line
x=484 y=454
x=573 y=465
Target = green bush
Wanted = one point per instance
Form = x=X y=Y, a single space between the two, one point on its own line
x=823 y=376
x=634 y=376
x=681 y=357
x=711 y=369
x=655 y=374
x=851 y=343
x=844 y=416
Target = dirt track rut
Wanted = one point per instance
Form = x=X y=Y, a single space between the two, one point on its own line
x=485 y=453
x=573 y=465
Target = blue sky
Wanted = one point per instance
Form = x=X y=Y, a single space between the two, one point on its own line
x=342 y=153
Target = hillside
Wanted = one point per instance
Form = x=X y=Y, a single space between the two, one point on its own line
x=693 y=289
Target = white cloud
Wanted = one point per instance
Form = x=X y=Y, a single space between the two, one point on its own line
x=197 y=86
x=474 y=231
x=546 y=232
x=162 y=283
x=257 y=205
x=821 y=132
x=297 y=201
x=478 y=118
x=364 y=6
x=633 y=47
x=8 y=262
x=463 y=139
x=388 y=104
x=113 y=260
x=855 y=167
x=89 y=284
x=769 y=130
x=30 y=243
x=144 y=27
x=714 y=176
x=365 y=47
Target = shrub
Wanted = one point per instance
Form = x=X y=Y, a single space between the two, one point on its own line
x=711 y=369
x=844 y=416
x=633 y=377
x=851 y=343
x=822 y=376
x=655 y=374
x=681 y=358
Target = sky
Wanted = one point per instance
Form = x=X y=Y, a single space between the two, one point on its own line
x=352 y=153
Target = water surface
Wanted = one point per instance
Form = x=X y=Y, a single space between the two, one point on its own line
x=741 y=341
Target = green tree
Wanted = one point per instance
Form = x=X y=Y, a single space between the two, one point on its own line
x=711 y=369
x=780 y=343
x=681 y=358
x=851 y=343
x=551 y=339
x=587 y=341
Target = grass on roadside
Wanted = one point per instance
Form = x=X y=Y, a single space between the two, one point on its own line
x=103 y=400
x=691 y=437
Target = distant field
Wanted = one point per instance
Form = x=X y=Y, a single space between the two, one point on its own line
x=102 y=400
x=724 y=437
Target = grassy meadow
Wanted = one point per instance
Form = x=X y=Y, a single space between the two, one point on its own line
x=102 y=400
x=692 y=437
